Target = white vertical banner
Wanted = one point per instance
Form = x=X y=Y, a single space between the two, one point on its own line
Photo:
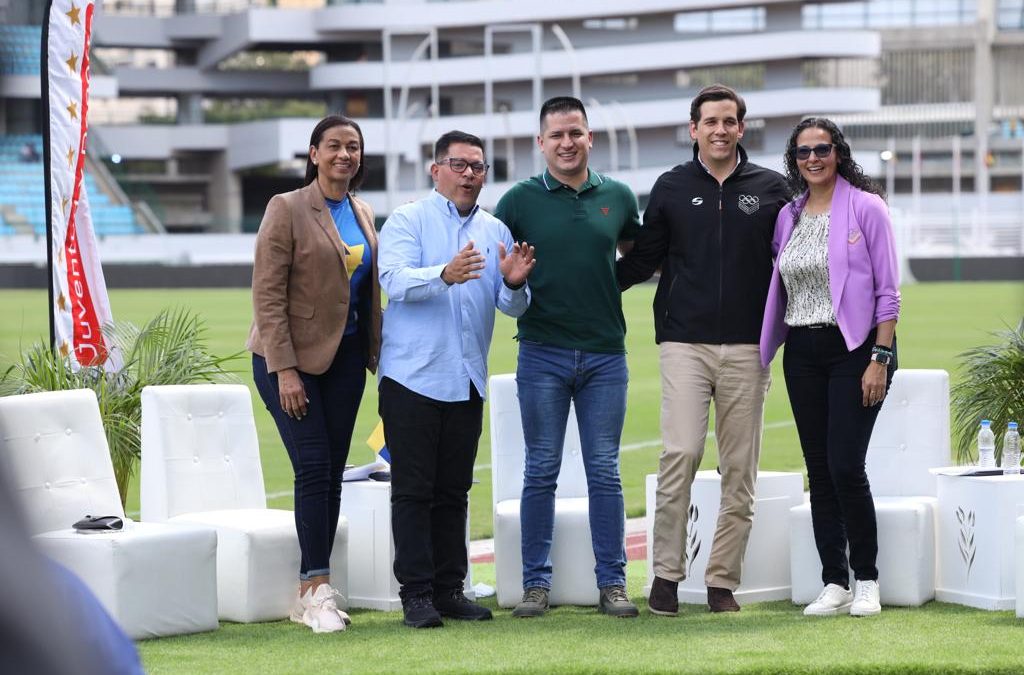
x=79 y=306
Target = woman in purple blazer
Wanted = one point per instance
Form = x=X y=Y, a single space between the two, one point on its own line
x=834 y=300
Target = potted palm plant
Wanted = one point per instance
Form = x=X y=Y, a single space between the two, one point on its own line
x=169 y=349
x=991 y=387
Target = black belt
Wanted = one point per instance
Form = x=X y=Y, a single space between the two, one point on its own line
x=816 y=326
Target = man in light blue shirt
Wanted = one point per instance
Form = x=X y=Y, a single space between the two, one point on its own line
x=445 y=265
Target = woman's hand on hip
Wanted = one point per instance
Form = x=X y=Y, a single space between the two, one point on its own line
x=873 y=384
x=293 y=394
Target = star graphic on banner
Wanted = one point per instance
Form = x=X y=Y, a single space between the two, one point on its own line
x=73 y=63
x=73 y=15
x=64 y=349
x=62 y=302
x=71 y=155
x=60 y=257
x=73 y=110
x=64 y=205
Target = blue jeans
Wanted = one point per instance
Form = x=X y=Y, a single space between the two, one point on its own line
x=318 y=446
x=548 y=379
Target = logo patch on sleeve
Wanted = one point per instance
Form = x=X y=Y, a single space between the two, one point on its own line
x=749 y=203
x=605 y=210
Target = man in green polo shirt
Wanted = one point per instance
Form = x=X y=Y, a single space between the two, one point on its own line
x=572 y=348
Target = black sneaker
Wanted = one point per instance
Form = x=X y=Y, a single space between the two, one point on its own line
x=455 y=605
x=420 y=613
x=615 y=602
x=664 y=598
x=534 y=603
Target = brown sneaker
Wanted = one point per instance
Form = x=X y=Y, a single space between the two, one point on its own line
x=721 y=600
x=664 y=599
x=614 y=602
x=534 y=603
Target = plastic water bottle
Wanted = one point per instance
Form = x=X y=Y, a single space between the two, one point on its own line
x=1011 y=449
x=986 y=446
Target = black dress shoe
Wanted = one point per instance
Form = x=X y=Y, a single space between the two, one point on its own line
x=420 y=612
x=721 y=600
x=664 y=598
x=455 y=605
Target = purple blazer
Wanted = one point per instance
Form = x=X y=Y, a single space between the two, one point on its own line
x=863 y=268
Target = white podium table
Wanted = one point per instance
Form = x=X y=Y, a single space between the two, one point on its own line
x=766 y=563
x=371 y=549
x=976 y=523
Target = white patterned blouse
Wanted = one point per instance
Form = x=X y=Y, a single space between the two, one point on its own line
x=804 y=269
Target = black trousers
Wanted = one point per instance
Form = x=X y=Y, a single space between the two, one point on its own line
x=823 y=379
x=318 y=445
x=433 y=447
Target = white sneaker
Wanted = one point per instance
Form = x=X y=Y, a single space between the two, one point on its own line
x=833 y=600
x=866 y=602
x=319 y=610
x=299 y=607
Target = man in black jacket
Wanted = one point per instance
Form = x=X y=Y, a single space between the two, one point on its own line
x=708 y=226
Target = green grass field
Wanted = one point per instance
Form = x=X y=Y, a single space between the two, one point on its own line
x=939 y=321
x=768 y=637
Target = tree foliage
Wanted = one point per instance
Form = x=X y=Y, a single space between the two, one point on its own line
x=991 y=387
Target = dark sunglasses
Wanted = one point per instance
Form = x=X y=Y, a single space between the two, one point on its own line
x=459 y=165
x=821 y=151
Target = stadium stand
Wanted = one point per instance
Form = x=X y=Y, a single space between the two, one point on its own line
x=20 y=50
x=22 y=200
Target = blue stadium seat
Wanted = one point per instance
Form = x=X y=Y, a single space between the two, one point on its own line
x=21 y=184
x=20 y=48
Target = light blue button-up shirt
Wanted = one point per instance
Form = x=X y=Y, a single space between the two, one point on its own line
x=435 y=336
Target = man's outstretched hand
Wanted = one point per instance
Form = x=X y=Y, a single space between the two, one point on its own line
x=515 y=265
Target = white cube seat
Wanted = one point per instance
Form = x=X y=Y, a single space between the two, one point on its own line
x=572 y=557
x=145 y=576
x=201 y=464
x=906 y=551
x=766 y=561
x=573 y=580
x=154 y=579
x=371 y=562
x=911 y=436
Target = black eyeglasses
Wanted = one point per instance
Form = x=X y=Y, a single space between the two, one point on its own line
x=459 y=165
x=821 y=151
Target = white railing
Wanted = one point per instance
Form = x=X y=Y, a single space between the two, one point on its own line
x=966 y=234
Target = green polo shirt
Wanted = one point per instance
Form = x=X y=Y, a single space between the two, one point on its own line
x=575 y=301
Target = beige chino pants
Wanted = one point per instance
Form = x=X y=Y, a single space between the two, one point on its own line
x=692 y=375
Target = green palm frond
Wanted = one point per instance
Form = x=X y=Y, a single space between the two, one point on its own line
x=170 y=349
x=991 y=387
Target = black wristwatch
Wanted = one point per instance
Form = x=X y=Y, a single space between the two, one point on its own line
x=510 y=286
x=882 y=358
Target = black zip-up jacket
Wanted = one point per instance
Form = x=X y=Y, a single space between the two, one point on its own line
x=713 y=244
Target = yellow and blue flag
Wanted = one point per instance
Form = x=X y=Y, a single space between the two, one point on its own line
x=378 y=444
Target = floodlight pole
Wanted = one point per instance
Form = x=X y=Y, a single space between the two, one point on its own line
x=571 y=53
x=634 y=152
x=536 y=32
x=391 y=155
x=613 y=135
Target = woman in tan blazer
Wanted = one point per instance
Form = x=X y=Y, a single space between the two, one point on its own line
x=315 y=332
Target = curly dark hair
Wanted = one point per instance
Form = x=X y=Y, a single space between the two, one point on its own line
x=845 y=166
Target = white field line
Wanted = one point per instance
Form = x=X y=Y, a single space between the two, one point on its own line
x=630 y=447
x=654 y=442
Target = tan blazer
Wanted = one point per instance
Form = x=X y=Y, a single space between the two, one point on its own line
x=300 y=284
